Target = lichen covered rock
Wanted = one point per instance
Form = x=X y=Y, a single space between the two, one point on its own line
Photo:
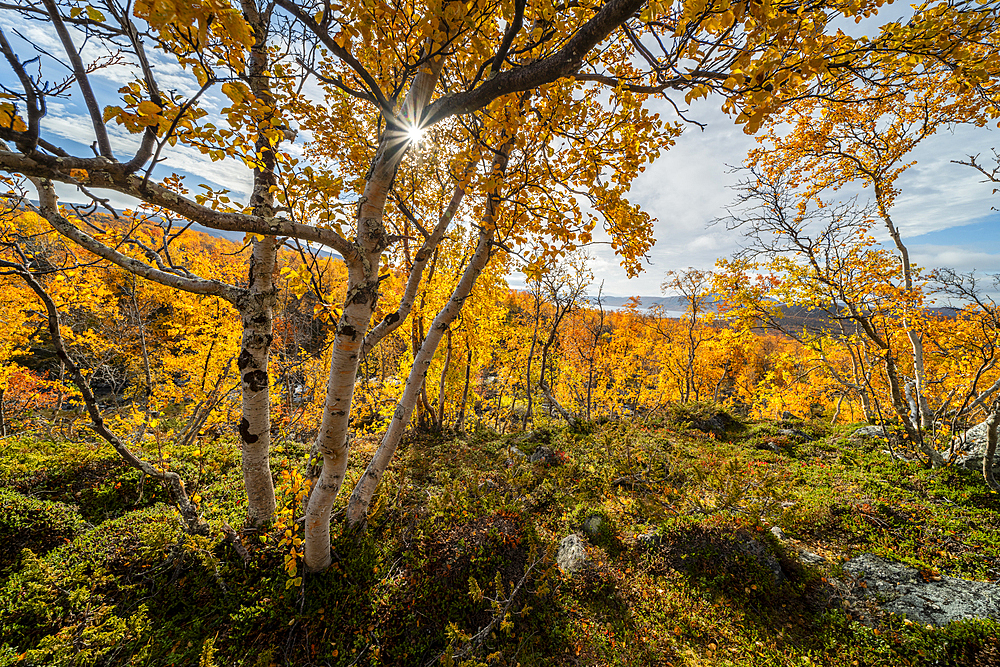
x=926 y=600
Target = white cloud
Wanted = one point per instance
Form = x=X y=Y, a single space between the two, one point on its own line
x=960 y=258
x=685 y=189
x=225 y=173
x=689 y=186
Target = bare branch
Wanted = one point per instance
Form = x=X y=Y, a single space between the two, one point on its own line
x=80 y=72
x=49 y=209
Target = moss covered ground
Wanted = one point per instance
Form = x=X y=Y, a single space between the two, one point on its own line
x=457 y=565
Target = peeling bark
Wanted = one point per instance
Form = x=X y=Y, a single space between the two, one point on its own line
x=992 y=423
x=257 y=313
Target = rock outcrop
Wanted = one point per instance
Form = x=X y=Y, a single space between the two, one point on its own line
x=936 y=600
x=571 y=555
x=974 y=448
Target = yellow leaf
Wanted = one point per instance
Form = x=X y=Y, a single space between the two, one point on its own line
x=148 y=108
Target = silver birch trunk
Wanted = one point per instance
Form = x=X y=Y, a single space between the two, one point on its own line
x=926 y=417
x=332 y=441
x=257 y=307
x=257 y=314
x=992 y=423
x=364 y=490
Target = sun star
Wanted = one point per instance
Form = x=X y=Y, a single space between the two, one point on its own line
x=414 y=134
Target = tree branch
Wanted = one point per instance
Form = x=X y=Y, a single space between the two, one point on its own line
x=104 y=173
x=172 y=480
x=546 y=70
x=80 y=72
x=49 y=209
x=392 y=321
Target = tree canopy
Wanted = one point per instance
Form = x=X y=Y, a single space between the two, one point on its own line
x=525 y=122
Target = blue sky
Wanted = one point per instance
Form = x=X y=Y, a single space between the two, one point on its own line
x=943 y=211
x=976 y=237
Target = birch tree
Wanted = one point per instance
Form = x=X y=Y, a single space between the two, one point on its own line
x=386 y=74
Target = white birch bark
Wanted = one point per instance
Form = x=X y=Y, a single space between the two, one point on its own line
x=926 y=417
x=257 y=307
x=332 y=441
x=364 y=490
x=257 y=313
x=992 y=423
x=357 y=508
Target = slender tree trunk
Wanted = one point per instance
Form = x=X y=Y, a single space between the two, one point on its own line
x=364 y=491
x=689 y=384
x=496 y=419
x=439 y=426
x=357 y=507
x=542 y=384
x=141 y=324
x=425 y=413
x=173 y=482
x=590 y=388
x=460 y=420
x=593 y=353
x=257 y=313
x=926 y=417
x=836 y=413
x=256 y=308
x=529 y=385
x=332 y=441
x=899 y=404
x=992 y=423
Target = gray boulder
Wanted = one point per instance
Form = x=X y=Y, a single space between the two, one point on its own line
x=762 y=552
x=810 y=558
x=571 y=555
x=975 y=438
x=939 y=601
x=542 y=455
x=973 y=443
x=649 y=540
x=593 y=525
x=869 y=432
x=804 y=555
x=513 y=454
x=795 y=433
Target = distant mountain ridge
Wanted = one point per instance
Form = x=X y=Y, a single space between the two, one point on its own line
x=676 y=306
x=672 y=303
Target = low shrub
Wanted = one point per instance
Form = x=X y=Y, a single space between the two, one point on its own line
x=32 y=523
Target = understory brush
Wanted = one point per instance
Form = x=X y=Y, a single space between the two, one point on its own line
x=458 y=561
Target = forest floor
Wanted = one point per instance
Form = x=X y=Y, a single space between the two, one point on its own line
x=458 y=562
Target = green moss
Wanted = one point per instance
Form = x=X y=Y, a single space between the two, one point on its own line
x=70 y=597
x=452 y=513
x=595 y=522
x=90 y=475
x=32 y=523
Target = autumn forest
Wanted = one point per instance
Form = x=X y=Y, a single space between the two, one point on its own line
x=305 y=359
